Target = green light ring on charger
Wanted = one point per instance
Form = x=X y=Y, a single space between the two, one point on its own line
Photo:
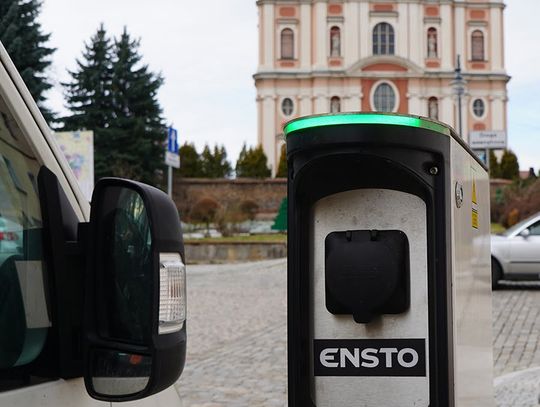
x=363 y=118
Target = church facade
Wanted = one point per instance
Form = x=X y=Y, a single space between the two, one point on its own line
x=318 y=56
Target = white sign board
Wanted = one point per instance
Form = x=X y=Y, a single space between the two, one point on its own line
x=495 y=139
x=78 y=147
x=172 y=160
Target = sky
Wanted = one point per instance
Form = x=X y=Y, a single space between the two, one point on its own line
x=207 y=53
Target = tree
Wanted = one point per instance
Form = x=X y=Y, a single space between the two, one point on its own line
x=21 y=34
x=89 y=98
x=214 y=164
x=282 y=166
x=249 y=209
x=138 y=130
x=114 y=94
x=252 y=163
x=205 y=211
x=494 y=165
x=509 y=165
x=190 y=162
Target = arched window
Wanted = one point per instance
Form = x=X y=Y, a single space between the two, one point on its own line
x=287 y=106
x=335 y=42
x=432 y=43
x=335 y=105
x=433 y=108
x=287 y=44
x=383 y=39
x=479 y=108
x=477 y=45
x=384 y=98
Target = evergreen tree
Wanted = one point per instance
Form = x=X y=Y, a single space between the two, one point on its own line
x=21 y=34
x=89 y=98
x=138 y=131
x=280 y=222
x=240 y=161
x=252 y=163
x=214 y=164
x=190 y=162
x=282 y=166
x=509 y=165
x=115 y=95
x=494 y=165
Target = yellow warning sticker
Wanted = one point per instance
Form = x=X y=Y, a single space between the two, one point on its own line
x=475 y=218
x=474 y=198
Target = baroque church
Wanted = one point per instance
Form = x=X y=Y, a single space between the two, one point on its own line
x=320 y=56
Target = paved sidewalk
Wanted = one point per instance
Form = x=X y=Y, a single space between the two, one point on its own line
x=237 y=338
x=516 y=348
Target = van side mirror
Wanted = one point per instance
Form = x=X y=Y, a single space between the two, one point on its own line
x=525 y=233
x=135 y=305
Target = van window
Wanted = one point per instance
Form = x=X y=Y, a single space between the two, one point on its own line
x=24 y=315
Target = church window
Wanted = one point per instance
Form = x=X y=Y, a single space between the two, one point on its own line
x=477 y=45
x=433 y=108
x=287 y=44
x=384 y=98
x=479 y=108
x=383 y=39
x=287 y=106
x=335 y=105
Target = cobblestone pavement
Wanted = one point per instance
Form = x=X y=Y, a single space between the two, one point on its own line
x=516 y=348
x=237 y=338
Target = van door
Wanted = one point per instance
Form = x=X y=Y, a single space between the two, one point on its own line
x=27 y=376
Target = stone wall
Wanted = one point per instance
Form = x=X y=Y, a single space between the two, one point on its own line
x=220 y=252
x=267 y=193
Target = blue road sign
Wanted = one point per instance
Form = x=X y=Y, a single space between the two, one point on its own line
x=172 y=140
x=172 y=158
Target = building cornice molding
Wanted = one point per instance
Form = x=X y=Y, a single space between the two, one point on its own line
x=335 y=19
x=475 y=23
x=457 y=3
x=386 y=75
x=432 y=20
x=384 y=59
x=391 y=14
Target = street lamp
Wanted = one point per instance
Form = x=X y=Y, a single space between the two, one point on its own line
x=458 y=86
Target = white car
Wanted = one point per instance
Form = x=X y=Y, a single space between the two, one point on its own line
x=515 y=254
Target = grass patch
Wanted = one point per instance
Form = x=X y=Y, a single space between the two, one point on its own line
x=272 y=238
x=497 y=228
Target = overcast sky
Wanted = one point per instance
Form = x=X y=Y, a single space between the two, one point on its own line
x=207 y=53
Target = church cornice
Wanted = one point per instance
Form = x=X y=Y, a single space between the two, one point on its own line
x=380 y=75
x=457 y=3
x=363 y=63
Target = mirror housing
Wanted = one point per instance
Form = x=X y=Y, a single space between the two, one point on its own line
x=135 y=297
x=525 y=233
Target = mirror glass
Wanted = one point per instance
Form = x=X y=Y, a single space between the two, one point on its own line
x=126 y=283
x=118 y=373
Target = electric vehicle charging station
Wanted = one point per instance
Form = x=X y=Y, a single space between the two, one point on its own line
x=389 y=279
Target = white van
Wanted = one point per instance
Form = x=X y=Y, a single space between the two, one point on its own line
x=92 y=297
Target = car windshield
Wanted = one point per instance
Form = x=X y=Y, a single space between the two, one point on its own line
x=519 y=225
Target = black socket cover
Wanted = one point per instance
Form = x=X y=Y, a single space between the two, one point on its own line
x=367 y=273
